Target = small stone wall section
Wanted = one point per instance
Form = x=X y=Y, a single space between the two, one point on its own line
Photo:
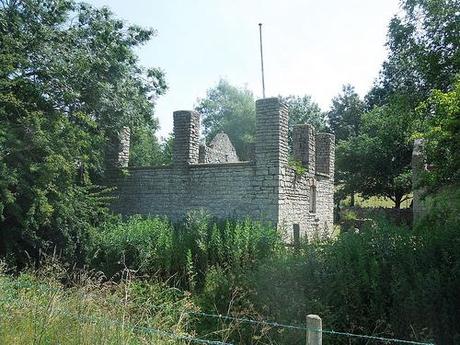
x=117 y=154
x=419 y=166
x=219 y=150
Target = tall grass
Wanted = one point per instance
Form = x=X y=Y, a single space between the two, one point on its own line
x=183 y=252
x=35 y=308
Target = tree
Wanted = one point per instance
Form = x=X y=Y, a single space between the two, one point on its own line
x=302 y=109
x=231 y=110
x=345 y=114
x=145 y=150
x=424 y=54
x=69 y=79
x=344 y=119
x=424 y=51
x=377 y=160
x=439 y=126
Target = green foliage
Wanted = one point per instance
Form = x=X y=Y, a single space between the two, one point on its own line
x=167 y=149
x=183 y=252
x=304 y=110
x=345 y=120
x=377 y=161
x=297 y=165
x=440 y=128
x=231 y=110
x=424 y=55
x=424 y=46
x=69 y=80
x=345 y=114
x=386 y=280
x=145 y=150
x=35 y=308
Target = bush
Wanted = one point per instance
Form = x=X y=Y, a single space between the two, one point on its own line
x=182 y=252
x=386 y=280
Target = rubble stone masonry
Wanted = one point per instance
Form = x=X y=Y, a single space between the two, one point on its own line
x=266 y=188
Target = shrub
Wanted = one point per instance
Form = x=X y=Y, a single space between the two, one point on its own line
x=386 y=280
x=182 y=252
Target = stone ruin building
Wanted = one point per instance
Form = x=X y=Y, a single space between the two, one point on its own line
x=211 y=177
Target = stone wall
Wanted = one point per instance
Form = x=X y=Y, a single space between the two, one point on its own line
x=419 y=166
x=117 y=154
x=266 y=188
x=307 y=198
x=219 y=150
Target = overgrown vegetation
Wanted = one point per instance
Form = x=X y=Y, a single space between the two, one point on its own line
x=37 y=308
x=182 y=252
x=384 y=280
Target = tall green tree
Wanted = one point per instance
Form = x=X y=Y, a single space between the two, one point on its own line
x=345 y=114
x=345 y=118
x=232 y=110
x=69 y=80
x=376 y=162
x=145 y=149
x=439 y=126
x=424 y=54
x=424 y=51
x=302 y=109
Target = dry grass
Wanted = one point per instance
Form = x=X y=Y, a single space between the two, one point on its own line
x=37 y=309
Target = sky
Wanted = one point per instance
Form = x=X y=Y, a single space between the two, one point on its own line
x=310 y=47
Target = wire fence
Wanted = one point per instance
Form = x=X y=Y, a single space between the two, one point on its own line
x=221 y=317
x=303 y=328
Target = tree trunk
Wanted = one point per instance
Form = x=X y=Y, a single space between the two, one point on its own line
x=397 y=201
x=352 y=199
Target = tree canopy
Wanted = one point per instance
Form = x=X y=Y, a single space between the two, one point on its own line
x=415 y=95
x=69 y=79
x=231 y=110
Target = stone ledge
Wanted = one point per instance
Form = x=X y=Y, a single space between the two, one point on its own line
x=216 y=165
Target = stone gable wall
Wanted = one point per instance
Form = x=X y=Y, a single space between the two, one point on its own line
x=219 y=150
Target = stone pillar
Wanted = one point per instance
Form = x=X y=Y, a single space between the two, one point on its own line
x=325 y=153
x=271 y=133
x=186 y=137
x=303 y=145
x=118 y=149
x=418 y=168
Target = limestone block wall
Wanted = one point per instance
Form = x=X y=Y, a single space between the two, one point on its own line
x=219 y=150
x=307 y=198
x=224 y=190
x=117 y=154
x=419 y=166
x=266 y=188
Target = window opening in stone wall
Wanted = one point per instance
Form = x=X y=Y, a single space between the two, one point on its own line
x=296 y=233
x=313 y=199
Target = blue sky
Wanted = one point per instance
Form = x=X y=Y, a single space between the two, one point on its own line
x=310 y=47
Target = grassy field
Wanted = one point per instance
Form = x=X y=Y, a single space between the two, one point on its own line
x=376 y=202
x=39 y=310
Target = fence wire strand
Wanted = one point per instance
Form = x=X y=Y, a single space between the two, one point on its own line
x=302 y=328
x=251 y=321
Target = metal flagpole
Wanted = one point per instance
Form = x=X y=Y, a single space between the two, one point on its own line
x=262 y=60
